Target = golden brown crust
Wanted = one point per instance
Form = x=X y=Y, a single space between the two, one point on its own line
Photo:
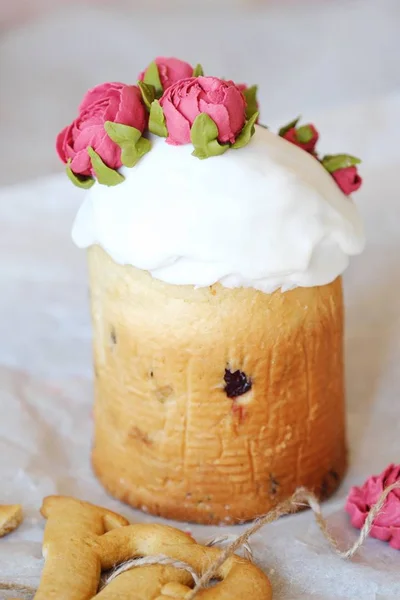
x=77 y=548
x=10 y=518
x=72 y=569
x=167 y=437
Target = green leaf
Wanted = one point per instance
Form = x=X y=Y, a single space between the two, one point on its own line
x=157 y=120
x=81 y=181
x=198 y=71
x=333 y=162
x=250 y=96
x=204 y=134
x=148 y=92
x=304 y=134
x=104 y=174
x=130 y=155
x=129 y=139
x=247 y=133
x=122 y=134
x=152 y=77
x=290 y=125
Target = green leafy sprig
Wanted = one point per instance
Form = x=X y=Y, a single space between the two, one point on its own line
x=250 y=95
x=152 y=77
x=133 y=145
x=157 y=120
x=81 y=181
x=334 y=162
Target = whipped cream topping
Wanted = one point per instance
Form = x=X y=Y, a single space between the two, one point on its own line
x=266 y=216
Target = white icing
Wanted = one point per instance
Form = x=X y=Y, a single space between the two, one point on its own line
x=265 y=216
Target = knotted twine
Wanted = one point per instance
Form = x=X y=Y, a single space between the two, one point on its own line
x=301 y=497
x=161 y=559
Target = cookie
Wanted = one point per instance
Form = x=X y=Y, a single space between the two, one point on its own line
x=10 y=518
x=81 y=540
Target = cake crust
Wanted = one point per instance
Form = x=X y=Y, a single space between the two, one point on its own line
x=171 y=437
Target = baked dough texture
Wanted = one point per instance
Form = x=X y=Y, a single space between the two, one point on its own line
x=171 y=436
x=11 y=518
x=82 y=540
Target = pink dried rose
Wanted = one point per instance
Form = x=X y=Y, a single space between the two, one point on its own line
x=347 y=179
x=305 y=137
x=170 y=70
x=188 y=98
x=343 y=169
x=386 y=525
x=114 y=102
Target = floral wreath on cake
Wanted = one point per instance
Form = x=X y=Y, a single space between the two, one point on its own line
x=176 y=101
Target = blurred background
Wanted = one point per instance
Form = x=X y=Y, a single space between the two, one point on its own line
x=308 y=57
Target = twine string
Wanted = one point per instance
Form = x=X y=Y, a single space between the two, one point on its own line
x=223 y=540
x=17 y=587
x=301 y=497
x=159 y=559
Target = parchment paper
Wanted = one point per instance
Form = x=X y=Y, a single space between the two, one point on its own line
x=46 y=378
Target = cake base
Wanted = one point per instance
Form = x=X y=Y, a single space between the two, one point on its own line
x=168 y=509
x=214 y=404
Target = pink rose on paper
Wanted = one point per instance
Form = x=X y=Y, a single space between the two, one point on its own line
x=170 y=71
x=114 y=102
x=188 y=98
x=305 y=137
x=386 y=526
x=347 y=179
